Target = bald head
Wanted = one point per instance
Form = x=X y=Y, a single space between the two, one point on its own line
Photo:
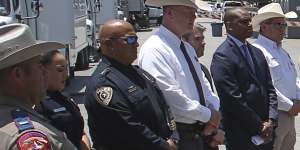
x=119 y=41
x=114 y=28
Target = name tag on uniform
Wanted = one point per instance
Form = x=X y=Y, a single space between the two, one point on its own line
x=60 y=109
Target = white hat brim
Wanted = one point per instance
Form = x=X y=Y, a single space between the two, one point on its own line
x=29 y=52
x=203 y=5
x=199 y=4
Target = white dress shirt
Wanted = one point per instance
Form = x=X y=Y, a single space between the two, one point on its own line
x=162 y=57
x=283 y=72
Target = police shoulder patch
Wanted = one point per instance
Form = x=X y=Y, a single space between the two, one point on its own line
x=33 y=140
x=104 y=95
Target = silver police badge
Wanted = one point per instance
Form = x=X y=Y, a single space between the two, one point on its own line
x=104 y=95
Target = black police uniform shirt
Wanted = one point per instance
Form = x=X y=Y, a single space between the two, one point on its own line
x=126 y=109
x=64 y=115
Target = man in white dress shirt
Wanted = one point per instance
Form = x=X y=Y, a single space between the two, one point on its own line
x=162 y=56
x=272 y=24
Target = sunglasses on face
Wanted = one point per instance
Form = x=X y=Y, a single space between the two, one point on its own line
x=131 y=40
x=278 y=25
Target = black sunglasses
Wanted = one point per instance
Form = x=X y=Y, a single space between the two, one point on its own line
x=131 y=40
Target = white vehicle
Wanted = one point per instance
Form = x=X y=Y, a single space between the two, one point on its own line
x=99 y=11
x=53 y=20
x=230 y=4
x=136 y=14
x=155 y=15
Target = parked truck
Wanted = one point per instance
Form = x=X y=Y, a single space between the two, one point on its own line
x=53 y=20
x=136 y=13
x=99 y=11
x=155 y=14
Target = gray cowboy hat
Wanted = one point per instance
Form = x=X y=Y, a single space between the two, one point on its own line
x=17 y=44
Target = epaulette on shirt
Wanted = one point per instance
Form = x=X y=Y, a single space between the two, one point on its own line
x=22 y=120
x=148 y=76
x=105 y=71
x=28 y=139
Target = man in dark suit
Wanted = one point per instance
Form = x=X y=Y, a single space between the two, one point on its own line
x=243 y=82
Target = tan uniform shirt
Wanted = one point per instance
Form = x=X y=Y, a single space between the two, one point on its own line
x=9 y=132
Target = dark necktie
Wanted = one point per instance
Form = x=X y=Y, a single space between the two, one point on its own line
x=194 y=74
x=248 y=57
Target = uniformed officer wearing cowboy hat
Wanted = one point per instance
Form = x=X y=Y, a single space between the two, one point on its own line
x=271 y=24
x=23 y=85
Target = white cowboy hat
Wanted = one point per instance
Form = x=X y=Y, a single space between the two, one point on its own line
x=272 y=10
x=17 y=44
x=190 y=3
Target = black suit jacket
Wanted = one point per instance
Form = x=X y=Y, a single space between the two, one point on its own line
x=247 y=98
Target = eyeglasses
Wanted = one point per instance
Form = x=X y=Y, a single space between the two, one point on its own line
x=131 y=40
x=60 y=68
x=278 y=25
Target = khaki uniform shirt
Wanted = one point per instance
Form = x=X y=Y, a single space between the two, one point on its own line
x=10 y=135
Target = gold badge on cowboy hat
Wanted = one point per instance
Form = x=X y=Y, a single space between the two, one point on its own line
x=17 y=44
x=269 y=11
x=197 y=4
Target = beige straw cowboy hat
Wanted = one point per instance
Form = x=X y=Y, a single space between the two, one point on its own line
x=190 y=3
x=272 y=10
x=17 y=44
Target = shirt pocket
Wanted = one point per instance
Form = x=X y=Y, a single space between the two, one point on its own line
x=275 y=70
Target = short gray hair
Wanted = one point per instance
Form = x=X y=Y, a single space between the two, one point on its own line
x=198 y=26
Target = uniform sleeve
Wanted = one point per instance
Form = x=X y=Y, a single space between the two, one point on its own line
x=35 y=138
x=181 y=105
x=229 y=90
x=118 y=122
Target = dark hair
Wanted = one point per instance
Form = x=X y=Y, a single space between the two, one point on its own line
x=199 y=27
x=47 y=57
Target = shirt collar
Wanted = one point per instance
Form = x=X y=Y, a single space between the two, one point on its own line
x=236 y=41
x=268 y=42
x=169 y=36
x=14 y=101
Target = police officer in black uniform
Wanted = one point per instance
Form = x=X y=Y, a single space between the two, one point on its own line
x=126 y=109
x=61 y=110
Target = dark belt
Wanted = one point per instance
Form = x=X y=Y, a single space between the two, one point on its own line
x=192 y=128
x=189 y=131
